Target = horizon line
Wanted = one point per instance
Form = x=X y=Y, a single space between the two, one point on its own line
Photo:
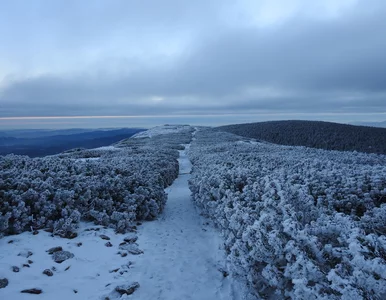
x=178 y=116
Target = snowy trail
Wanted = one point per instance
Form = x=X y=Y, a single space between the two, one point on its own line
x=182 y=255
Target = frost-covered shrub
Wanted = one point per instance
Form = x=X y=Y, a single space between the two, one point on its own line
x=68 y=223
x=113 y=187
x=298 y=222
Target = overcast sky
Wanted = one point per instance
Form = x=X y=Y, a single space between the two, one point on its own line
x=239 y=60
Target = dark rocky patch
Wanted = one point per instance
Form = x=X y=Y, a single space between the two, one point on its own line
x=127 y=289
x=104 y=237
x=131 y=238
x=48 y=272
x=114 y=270
x=61 y=256
x=70 y=235
x=32 y=291
x=3 y=283
x=15 y=269
x=123 y=254
x=54 y=249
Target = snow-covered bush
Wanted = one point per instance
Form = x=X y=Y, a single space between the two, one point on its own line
x=113 y=187
x=298 y=222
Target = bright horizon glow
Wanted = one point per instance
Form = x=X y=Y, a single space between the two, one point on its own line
x=188 y=115
x=149 y=121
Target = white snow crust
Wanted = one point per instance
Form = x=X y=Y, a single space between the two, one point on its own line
x=161 y=130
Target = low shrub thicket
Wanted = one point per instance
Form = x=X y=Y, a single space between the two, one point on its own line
x=298 y=222
x=113 y=187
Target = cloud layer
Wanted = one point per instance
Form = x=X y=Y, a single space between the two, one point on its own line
x=169 y=57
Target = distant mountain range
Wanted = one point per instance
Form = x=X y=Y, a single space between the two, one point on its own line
x=315 y=134
x=47 y=142
x=35 y=133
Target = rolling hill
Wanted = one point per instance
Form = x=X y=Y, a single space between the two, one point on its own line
x=315 y=134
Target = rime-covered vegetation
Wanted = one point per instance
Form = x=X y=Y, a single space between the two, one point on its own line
x=315 y=134
x=298 y=222
x=112 y=186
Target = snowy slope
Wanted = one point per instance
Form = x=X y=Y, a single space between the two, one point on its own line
x=161 y=130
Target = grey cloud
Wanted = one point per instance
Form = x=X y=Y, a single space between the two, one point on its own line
x=335 y=65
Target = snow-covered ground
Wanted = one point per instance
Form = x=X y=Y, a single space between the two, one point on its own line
x=160 y=130
x=182 y=252
x=108 y=148
x=182 y=258
x=88 y=275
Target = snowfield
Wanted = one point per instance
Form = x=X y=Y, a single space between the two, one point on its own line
x=93 y=272
x=191 y=213
x=161 y=130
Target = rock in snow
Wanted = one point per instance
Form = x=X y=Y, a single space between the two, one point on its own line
x=3 y=283
x=61 y=256
x=104 y=237
x=15 y=269
x=54 y=249
x=48 y=272
x=123 y=254
x=127 y=289
x=131 y=248
x=131 y=238
x=32 y=291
